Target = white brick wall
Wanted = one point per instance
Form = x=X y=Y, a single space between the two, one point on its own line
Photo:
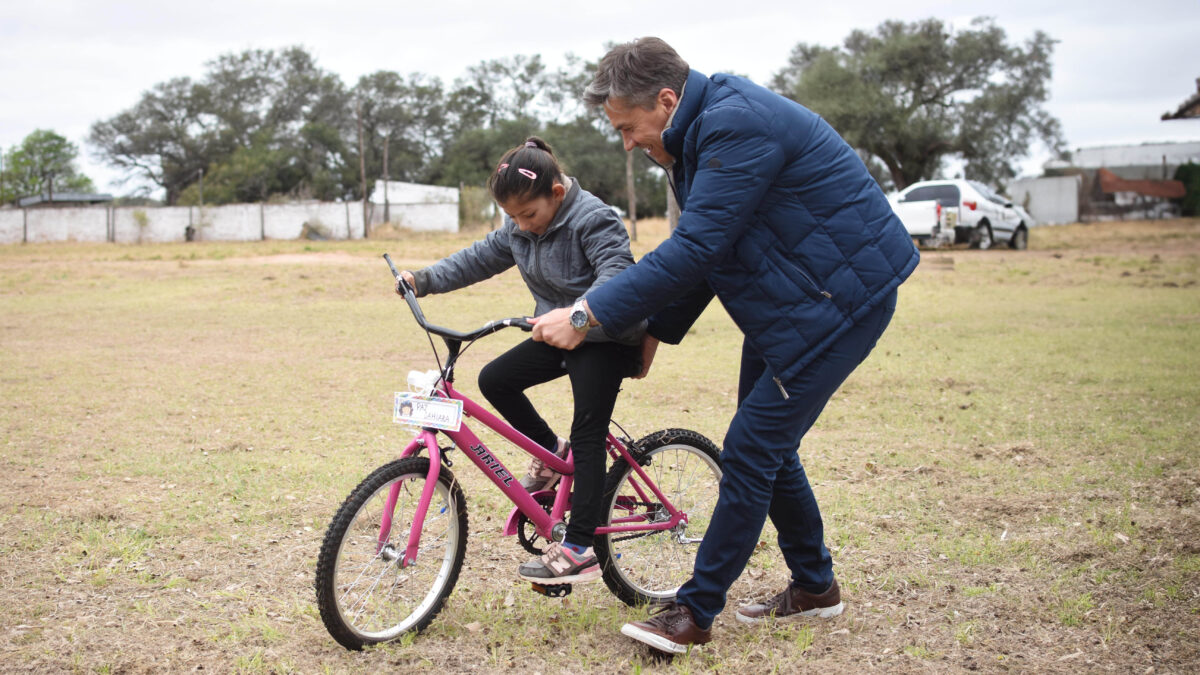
x=232 y=222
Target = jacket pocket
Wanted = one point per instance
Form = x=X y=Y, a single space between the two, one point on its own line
x=799 y=276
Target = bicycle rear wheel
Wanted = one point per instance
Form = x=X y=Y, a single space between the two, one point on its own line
x=364 y=594
x=648 y=567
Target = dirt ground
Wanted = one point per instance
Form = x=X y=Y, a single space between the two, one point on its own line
x=160 y=524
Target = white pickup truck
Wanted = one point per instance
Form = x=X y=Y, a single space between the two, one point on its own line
x=944 y=212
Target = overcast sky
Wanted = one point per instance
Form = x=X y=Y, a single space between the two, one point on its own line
x=65 y=64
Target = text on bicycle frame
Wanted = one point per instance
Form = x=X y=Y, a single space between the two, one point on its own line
x=492 y=463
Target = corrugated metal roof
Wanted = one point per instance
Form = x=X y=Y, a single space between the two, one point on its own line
x=1146 y=154
x=1164 y=189
x=70 y=197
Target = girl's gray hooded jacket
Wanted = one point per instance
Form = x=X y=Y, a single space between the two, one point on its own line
x=585 y=246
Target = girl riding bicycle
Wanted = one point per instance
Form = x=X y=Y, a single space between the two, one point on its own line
x=566 y=243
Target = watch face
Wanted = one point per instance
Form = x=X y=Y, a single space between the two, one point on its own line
x=579 y=318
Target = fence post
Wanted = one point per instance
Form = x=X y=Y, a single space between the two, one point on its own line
x=24 y=226
x=262 y=221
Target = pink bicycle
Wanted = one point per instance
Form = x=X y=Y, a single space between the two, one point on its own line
x=395 y=547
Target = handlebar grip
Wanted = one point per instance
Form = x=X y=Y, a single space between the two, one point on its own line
x=392 y=265
x=523 y=324
x=402 y=285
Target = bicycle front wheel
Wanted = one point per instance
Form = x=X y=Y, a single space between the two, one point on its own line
x=648 y=567
x=365 y=594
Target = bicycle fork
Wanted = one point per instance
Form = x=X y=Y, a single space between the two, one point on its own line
x=429 y=441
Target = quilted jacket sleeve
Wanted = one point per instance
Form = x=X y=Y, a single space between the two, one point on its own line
x=737 y=159
x=483 y=259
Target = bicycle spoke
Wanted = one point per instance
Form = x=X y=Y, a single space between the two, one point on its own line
x=649 y=565
x=364 y=592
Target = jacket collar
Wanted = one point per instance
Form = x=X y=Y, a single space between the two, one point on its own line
x=690 y=102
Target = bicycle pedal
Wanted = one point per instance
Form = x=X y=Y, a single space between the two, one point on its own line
x=552 y=590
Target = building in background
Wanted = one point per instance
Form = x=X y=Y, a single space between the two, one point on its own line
x=415 y=207
x=1131 y=182
x=63 y=199
x=1051 y=200
x=1110 y=182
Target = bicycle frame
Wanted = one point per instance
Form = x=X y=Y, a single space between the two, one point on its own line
x=494 y=468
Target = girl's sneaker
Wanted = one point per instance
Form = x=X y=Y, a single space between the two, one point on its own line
x=540 y=476
x=561 y=565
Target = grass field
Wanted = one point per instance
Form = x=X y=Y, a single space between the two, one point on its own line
x=1010 y=482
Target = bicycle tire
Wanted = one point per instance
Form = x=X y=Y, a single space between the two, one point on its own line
x=364 y=596
x=649 y=567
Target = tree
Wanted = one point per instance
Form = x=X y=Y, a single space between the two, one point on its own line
x=166 y=138
x=470 y=158
x=1189 y=175
x=500 y=89
x=260 y=122
x=43 y=162
x=562 y=92
x=915 y=94
x=405 y=118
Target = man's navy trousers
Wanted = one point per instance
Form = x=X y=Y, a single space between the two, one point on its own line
x=762 y=474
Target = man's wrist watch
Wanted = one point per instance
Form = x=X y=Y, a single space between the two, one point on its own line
x=579 y=316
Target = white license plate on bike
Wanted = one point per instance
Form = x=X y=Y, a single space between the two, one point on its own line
x=427 y=411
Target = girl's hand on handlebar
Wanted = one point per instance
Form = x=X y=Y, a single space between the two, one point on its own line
x=408 y=277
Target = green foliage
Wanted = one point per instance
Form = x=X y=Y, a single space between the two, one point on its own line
x=471 y=157
x=286 y=115
x=913 y=94
x=409 y=116
x=44 y=161
x=476 y=208
x=588 y=154
x=1189 y=175
x=261 y=125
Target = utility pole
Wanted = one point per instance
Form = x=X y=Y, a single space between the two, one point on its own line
x=362 y=170
x=672 y=209
x=629 y=189
x=387 y=139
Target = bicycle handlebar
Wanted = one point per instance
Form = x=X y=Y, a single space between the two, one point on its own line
x=410 y=296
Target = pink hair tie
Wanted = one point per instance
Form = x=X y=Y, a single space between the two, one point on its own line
x=530 y=144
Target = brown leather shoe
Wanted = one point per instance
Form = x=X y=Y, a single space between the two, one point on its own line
x=671 y=629
x=795 y=602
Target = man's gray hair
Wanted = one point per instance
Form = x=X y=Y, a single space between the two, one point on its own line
x=635 y=72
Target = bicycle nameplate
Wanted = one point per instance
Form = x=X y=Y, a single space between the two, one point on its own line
x=427 y=411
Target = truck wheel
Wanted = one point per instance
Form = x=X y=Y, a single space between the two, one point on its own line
x=981 y=238
x=1020 y=239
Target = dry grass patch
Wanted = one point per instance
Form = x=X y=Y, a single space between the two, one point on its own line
x=1010 y=482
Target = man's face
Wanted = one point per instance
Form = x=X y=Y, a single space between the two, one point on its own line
x=641 y=127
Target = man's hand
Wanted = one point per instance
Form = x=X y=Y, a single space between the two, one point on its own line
x=555 y=329
x=649 y=349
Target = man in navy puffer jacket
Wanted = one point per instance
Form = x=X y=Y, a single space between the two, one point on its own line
x=782 y=222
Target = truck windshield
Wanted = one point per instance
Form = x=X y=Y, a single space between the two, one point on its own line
x=989 y=194
x=946 y=195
